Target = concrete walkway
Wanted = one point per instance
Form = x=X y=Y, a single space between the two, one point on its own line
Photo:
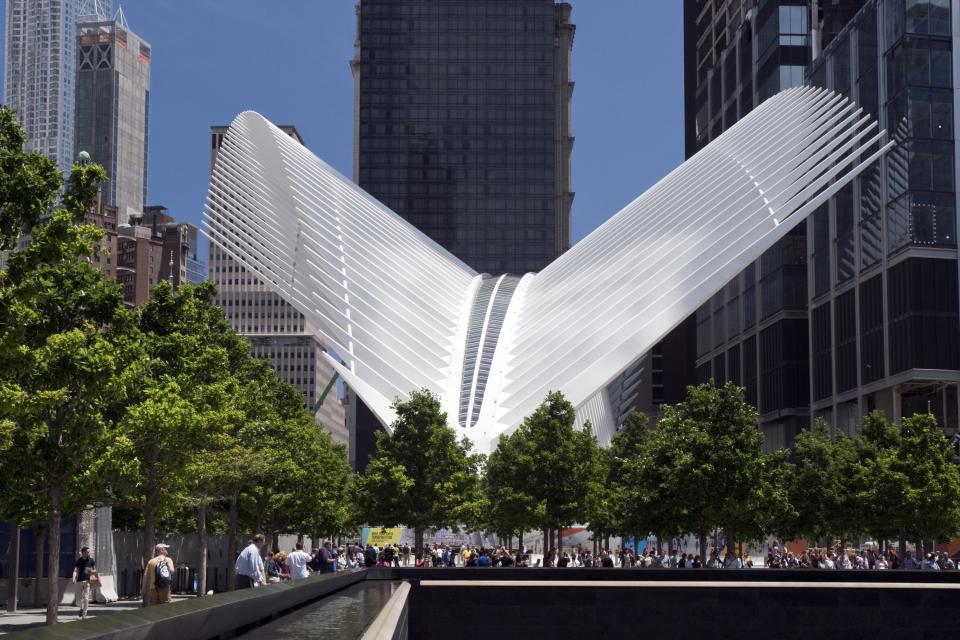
x=29 y=617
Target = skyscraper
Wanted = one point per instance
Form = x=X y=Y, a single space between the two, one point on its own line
x=858 y=309
x=276 y=331
x=40 y=70
x=112 y=109
x=462 y=126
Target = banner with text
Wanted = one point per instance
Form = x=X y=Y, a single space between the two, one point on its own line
x=379 y=537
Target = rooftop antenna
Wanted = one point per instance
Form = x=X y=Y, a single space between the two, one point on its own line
x=120 y=18
x=95 y=10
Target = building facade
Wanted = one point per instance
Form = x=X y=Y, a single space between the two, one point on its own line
x=462 y=127
x=857 y=309
x=151 y=248
x=112 y=109
x=276 y=331
x=462 y=124
x=40 y=66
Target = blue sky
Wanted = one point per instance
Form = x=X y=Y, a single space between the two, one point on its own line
x=288 y=59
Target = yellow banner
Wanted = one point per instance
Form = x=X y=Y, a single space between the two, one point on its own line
x=379 y=537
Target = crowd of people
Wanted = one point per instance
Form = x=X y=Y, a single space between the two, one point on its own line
x=864 y=559
x=252 y=570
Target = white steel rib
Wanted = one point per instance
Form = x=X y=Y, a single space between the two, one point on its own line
x=403 y=313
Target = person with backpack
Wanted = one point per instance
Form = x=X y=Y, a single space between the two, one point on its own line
x=158 y=577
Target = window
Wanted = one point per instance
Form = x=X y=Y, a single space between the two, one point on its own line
x=845 y=239
x=871 y=330
x=928 y=17
x=793 y=26
x=822 y=352
x=871 y=239
x=923 y=315
x=821 y=248
x=846 y=338
x=791 y=76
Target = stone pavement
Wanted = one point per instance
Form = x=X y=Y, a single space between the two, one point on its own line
x=29 y=617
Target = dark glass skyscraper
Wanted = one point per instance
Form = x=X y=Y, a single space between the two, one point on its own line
x=463 y=124
x=858 y=307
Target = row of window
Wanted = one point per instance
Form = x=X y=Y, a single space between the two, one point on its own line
x=397 y=52
x=458 y=8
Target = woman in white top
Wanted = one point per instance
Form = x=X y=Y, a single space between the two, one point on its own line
x=881 y=563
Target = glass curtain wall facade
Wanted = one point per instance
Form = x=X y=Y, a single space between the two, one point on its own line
x=858 y=308
x=462 y=127
x=753 y=332
x=463 y=124
x=756 y=331
x=40 y=66
x=885 y=306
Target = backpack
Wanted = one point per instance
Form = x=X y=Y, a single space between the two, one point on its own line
x=163 y=579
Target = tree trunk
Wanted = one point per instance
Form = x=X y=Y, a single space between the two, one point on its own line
x=38 y=563
x=149 y=526
x=202 y=544
x=53 y=556
x=274 y=531
x=13 y=567
x=903 y=549
x=418 y=539
x=231 y=541
x=559 y=540
x=703 y=547
x=261 y=506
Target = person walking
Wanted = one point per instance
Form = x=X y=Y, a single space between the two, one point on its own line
x=158 y=577
x=297 y=561
x=249 y=565
x=83 y=569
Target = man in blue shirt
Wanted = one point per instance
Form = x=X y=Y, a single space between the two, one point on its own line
x=930 y=563
x=484 y=559
x=249 y=566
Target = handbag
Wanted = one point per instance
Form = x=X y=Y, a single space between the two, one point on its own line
x=94 y=581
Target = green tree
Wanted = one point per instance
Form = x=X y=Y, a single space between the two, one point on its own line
x=29 y=183
x=625 y=514
x=652 y=479
x=66 y=353
x=823 y=486
x=511 y=507
x=420 y=475
x=192 y=355
x=914 y=483
x=603 y=499
x=558 y=463
x=703 y=468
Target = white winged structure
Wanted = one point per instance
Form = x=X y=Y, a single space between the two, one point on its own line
x=403 y=313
